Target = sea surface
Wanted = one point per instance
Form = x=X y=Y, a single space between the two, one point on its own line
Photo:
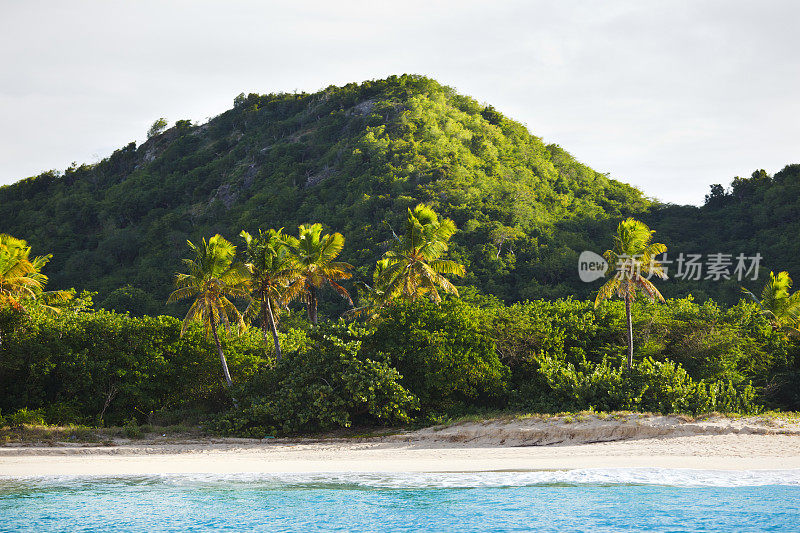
x=575 y=500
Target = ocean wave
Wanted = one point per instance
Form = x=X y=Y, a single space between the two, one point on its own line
x=433 y=480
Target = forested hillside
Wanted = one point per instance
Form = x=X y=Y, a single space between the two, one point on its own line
x=755 y=215
x=354 y=158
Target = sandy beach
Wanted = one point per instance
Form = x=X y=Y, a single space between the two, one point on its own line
x=514 y=444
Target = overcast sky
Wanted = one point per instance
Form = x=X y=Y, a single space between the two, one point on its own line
x=669 y=96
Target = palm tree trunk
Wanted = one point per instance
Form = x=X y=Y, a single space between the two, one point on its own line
x=221 y=355
x=312 y=304
x=630 y=330
x=266 y=305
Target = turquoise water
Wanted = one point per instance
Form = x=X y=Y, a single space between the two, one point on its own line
x=578 y=500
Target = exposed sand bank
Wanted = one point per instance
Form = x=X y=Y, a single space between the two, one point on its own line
x=590 y=429
x=526 y=444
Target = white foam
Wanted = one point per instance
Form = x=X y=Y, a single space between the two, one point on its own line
x=415 y=480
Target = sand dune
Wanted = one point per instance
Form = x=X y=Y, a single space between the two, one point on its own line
x=589 y=429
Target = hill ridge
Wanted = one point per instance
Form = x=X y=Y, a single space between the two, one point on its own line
x=350 y=157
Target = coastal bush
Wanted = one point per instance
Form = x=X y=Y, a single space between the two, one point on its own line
x=25 y=416
x=131 y=299
x=714 y=343
x=132 y=429
x=783 y=390
x=419 y=360
x=708 y=341
x=445 y=353
x=103 y=367
x=63 y=413
x=328 y=385
x=570 y=330
x=650 y=385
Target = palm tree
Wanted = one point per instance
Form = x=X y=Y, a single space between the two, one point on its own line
x=415 y=267
x=269 y=263
x=213 y=278
x=313 y=266
x=780 y=308
x=633 y=261
x=21 y=278
x=49 y=301
x=372 y=298
x=19 y=275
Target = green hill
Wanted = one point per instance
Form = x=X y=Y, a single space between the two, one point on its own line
x=755 y=215
x=353 y=158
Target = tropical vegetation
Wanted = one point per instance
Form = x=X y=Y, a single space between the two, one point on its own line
x=778 y=306
x=354 y=159
x=415 y=268
x=633 y=260
x=313 y=266
x=270 y=267
x=460 y=232
x=421 y=356
x=213 y=278
x=22 y=281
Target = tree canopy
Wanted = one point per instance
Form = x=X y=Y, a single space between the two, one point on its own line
x=353 y=158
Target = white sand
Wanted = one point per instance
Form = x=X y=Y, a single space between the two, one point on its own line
x=668 y=442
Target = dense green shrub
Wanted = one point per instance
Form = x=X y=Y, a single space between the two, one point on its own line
x=650 y=385
x=569 y=330
x=783 y=390
x=329 y=384
x=444 y=352
x=105 y=367
x=709 y=342
x=419 y=360
x=131 y=299
x=25 y=416
x=132 y=429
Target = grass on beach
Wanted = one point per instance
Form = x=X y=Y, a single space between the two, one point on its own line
x=769 y=418
x=79 y=434
x=50 y=435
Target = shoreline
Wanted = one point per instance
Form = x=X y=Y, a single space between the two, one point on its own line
x=493 y=445
x=318 y=460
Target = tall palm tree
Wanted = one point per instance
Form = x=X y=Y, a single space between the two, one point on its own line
x=313 y=266
x=19 y=274
x=779 y=307
x=21 y=278
x=270 y=265
x=415 y=267
x=633 y=261
x=212 y=279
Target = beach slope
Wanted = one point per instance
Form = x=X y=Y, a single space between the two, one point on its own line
x=529 y=443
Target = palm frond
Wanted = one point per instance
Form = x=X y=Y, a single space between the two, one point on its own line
x=649 y=289
x=607 y=290
x=182 y=294
x=444 y=266
x=341 y=291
